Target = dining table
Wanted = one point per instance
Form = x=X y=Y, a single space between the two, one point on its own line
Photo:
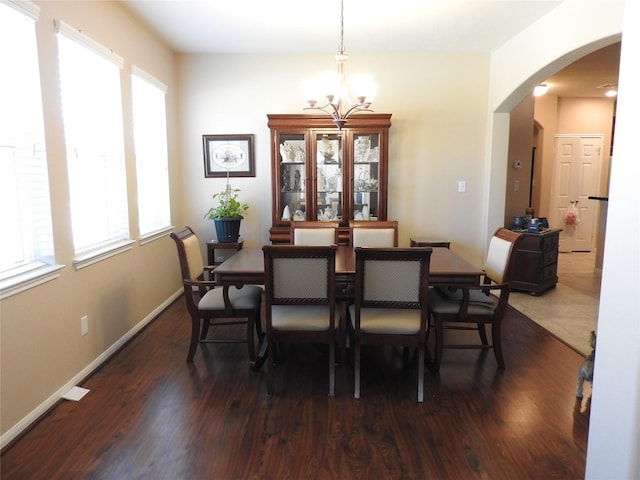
x=246 y=267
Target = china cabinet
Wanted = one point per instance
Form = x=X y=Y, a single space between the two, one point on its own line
x=319 y=173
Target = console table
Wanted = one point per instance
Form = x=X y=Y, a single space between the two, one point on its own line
x=536 y=267
x=429 y=242
x=229 y=249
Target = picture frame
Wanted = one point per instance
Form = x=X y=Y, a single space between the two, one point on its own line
x=228 y=156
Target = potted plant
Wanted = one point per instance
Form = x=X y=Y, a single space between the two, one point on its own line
x=227 y=214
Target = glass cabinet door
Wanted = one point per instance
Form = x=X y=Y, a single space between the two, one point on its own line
x=366 y=176
x=329 y=174
x=320 y=173
x=293 y=176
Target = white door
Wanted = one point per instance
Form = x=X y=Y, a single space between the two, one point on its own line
x=576 y=175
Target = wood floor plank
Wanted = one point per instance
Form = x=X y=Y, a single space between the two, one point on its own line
x=151 y=415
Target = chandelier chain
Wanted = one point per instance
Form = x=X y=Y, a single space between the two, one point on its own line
x=341 y=47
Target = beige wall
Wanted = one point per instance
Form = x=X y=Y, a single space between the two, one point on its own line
x=520 y=146
x=437 y=137
x=41 y=346
x=546 y=116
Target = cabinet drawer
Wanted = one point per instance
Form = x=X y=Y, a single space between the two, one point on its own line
x=550 y=257
x=549 y=242
x=548 y=272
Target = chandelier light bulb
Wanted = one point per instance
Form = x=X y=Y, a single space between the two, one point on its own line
x=363 y=87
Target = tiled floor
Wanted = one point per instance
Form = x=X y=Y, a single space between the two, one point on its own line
x=570 y=311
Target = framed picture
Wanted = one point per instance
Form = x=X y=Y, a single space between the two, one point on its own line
x=228 y=155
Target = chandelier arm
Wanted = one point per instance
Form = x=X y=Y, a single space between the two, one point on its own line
x=362 y=107
x=333 y=112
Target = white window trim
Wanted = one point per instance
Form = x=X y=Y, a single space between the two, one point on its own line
x=95 y=256
x=27 y=280
x=25 y=7
x=77 y=35
x=149 y=78
x=150 y=237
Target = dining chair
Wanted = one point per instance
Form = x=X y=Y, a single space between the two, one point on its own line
x=314 y=233
x=373 y=233
x=391 y=303
x=324 y=233
x=211 y=306
x=300 y=300
x=473 y=307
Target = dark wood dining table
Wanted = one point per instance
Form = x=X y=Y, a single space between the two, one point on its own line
x=246 y=267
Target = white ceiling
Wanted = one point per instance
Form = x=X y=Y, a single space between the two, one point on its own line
x=305 y=26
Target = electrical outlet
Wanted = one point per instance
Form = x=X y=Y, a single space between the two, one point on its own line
x=84 y=325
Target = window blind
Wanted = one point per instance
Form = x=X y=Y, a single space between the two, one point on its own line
x=150 y=140
x=25 y=211
x=94 y=140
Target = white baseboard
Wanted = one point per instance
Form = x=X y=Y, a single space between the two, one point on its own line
x=23 y=424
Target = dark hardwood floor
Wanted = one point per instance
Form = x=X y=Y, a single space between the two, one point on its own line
x=150 y=415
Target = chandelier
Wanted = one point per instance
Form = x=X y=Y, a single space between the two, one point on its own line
x=335 y=89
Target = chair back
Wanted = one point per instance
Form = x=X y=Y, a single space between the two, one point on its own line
x=392 y=277
x=377 y=234
x=314 y=233
x=500 y=259
x=299 y=274
x=189 y=254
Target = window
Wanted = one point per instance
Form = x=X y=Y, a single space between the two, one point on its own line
x=93 y=129
x=150 y=139
x=25 y=210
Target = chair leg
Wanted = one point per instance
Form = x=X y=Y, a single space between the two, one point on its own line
x=483 y=333
x=405 y=356
x=195 y=330
x=205 y=328
x=420 y=374
x=270 y=360
x=497 y=344
x=342 y=332
x=251 y=321
x=439 y=340
x=258 y=325
x=356 y=368
x=332 y=369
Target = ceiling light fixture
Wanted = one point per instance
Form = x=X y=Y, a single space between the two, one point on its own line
x=540 y=90
x=611 y=89
x=335 y=89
